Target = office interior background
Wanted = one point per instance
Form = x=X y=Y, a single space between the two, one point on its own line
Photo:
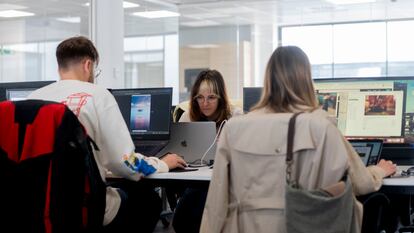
x=156 y=43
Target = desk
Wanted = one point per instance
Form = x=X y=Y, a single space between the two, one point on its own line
x=396 y=184
x=399 y=184
x=201 y=177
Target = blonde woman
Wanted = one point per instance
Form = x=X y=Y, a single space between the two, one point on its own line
x=246 y=193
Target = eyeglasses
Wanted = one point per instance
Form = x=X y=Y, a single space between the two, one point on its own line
x=209 y=99
x=97 y=72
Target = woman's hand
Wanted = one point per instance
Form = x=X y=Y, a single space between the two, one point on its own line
x=388 y=166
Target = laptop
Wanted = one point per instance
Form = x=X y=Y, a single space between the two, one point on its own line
x=146 y=112
x=369 y=150
x=191 y=140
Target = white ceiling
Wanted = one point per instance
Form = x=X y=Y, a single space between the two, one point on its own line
x=202 y=13
x=242 y=11
x=288 y=12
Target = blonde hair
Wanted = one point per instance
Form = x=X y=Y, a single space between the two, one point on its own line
x=288 y=85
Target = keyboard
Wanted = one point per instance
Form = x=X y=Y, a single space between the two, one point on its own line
x=149 y=148
x=187 y=169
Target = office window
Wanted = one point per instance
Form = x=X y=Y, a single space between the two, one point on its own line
x=144 y=61
x=214 y=47
x=151 y=45
x=354 y=49
x=31 y=32
x=400 y=41
x=316 y=42
x=359 y=49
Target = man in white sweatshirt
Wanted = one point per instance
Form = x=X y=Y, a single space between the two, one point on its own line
x=99 y=113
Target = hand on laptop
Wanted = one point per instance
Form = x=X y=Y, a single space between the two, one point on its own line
x=174 y=161
x=389 y=167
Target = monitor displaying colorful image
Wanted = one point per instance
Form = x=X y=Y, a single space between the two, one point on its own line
x=140 y=113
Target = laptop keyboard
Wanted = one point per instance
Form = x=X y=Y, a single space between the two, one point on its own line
x=149 y=148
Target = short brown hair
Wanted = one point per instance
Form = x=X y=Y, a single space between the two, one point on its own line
x=215 y=80
x=75 y=49
x=288 y=82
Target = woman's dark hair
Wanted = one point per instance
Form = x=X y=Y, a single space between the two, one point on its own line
x=215 y=81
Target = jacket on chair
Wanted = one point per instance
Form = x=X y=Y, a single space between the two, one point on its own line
x=49 y=178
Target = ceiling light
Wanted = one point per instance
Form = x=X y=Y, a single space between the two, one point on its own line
x=14 y=13
x=201 y=23
x=206 y=16
x=129 y=4
x=6 y=6
x=202 y=46
x=343 y=2
x=156 y=14
x=125 y=4
x=70 y=19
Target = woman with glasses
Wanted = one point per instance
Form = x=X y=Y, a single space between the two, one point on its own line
x=208 y=102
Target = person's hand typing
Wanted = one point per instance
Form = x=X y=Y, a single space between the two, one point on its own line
x=388 y=166
x=174 y=161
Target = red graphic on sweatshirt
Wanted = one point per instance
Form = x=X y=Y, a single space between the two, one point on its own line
x=75 y=102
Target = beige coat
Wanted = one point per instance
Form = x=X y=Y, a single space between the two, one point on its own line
x=246 y=193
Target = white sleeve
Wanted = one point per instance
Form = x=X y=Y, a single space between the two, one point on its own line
x=185 y=117
x=116 y=148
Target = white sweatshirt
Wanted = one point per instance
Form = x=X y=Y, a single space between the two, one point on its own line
x=99 y=113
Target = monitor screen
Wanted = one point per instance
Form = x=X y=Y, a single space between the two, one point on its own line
x=366 y=108
x=18 y=94
x=146 y=111
x=20 y=90
x=251 y=96
x=361 y=105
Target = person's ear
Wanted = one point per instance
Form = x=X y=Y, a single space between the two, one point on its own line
x=88 y=65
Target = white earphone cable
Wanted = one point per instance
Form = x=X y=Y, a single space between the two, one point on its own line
x=212 y=144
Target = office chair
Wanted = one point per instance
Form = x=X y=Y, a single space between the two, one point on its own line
x=50 y=180
x=407 y=210
x=378 y=213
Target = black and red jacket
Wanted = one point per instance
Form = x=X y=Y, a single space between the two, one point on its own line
x=49 y=180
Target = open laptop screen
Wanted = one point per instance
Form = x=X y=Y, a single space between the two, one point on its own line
x=146 y=111
x=368 y=149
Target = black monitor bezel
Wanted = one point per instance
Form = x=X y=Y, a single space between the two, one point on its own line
x=4 y=87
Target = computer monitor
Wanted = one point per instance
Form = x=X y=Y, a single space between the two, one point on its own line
x=20 y=90
x=146 y=111
x=366 y=108
x=251 y=96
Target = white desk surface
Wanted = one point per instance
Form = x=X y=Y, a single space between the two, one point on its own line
x=398 y=180
x=202 y=174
